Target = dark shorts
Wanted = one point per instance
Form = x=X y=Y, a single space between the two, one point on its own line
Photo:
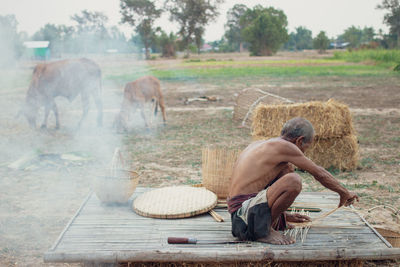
x=253 y=220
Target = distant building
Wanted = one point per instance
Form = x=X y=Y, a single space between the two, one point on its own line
x=206 y=48
x=38 y=49
x=339 y=45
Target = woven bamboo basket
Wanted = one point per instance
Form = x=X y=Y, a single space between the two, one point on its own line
x=116 y=189
x=174 y=202
x=217 y=167
x=248 y=99
x=391 y=236
x=118 y=185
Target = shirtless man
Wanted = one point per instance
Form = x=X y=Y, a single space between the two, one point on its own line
x=264 y=184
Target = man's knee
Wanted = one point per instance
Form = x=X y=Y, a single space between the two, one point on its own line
x=295 y=185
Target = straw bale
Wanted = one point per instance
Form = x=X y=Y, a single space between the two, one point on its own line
x=338 y=152
x=217 y=167
x=330 y=119
x=248 y=99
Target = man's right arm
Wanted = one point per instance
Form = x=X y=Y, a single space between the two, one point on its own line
x=295 y=156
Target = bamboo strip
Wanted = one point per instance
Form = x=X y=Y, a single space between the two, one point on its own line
x=305 y=224
x=70 y=222
x=216 y=216
x=372 y=228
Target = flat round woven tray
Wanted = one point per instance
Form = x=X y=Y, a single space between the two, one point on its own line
x=175 y=202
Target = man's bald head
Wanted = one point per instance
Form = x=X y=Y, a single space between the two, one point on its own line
x=298 y=127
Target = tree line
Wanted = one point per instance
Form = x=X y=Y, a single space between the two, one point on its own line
x=260 y=30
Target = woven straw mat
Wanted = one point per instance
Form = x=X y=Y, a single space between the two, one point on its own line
x=175 y=202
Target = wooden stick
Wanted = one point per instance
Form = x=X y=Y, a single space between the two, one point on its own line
x=194 y=255
x=216 y=216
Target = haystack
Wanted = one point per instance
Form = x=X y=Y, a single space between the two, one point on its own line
x=339 y=152
x=248 y=99
x=335 y=144
x=330 y=119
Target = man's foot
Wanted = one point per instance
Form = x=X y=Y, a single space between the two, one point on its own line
x=277 y=238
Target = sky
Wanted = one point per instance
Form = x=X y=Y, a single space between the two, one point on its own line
x=331 y=16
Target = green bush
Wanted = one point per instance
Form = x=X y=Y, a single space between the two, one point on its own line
x=388 y=57
x=193 y=60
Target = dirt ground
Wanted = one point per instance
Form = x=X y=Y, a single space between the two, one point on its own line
x=38 y=200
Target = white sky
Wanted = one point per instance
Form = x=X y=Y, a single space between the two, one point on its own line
x=331 y=16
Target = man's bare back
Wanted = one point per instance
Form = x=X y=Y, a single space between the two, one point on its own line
x=258 y=165
x=269 y=164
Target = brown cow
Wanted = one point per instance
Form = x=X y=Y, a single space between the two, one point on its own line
x=136 y=95
x=66 y=78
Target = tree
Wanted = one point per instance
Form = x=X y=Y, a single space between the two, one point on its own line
x=168 y=44
x=303 y=38
x=291 y=43
x=141 y=14
x=51 y=33
x=321 y=42
x=368 y=35
x=356 y=36
x=300 y=40
x=11 y=46
x=68 y=40
x=392 y=18
x=91 y=21
x=266 y=31
x=192 y=16
x=117 y=40
x=234 y=28
x=91 y=30
x=353 y=36
x=198 y=40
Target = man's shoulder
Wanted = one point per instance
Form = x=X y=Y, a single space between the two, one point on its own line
x=277 y=141
x=282 y=145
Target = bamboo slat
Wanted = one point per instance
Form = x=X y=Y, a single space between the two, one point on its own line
x=101 y=233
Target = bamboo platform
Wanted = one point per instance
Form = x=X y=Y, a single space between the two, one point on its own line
x=111 y=234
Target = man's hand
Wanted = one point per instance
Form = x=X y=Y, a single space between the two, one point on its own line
x=347 y=199
x=295 y=217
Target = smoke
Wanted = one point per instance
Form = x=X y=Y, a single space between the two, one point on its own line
x=46 y=173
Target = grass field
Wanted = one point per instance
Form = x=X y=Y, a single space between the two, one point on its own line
x=226 y=70
x=36 y=204
x=388 y=58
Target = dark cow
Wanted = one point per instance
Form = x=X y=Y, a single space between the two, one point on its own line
x=67 y=78
x=136 y=94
